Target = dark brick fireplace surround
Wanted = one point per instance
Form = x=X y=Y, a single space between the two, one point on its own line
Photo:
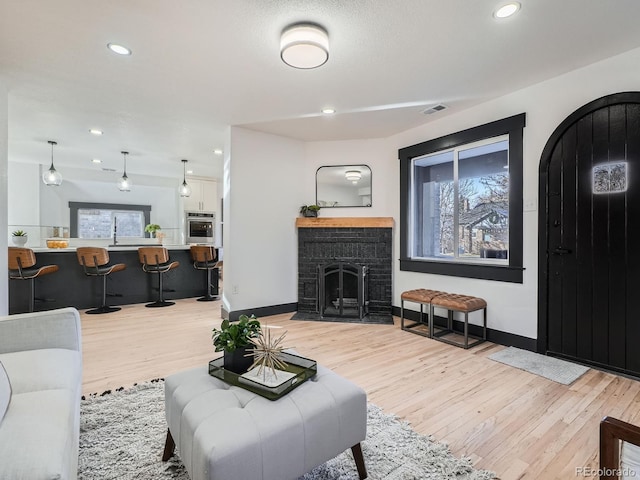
x=357 y=240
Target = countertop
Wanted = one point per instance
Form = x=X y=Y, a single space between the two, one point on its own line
x=119 y=248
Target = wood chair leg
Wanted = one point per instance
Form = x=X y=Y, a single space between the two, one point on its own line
x=357 y=456
x=169 y=447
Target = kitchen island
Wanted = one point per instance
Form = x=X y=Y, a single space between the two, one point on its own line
x=70 y=287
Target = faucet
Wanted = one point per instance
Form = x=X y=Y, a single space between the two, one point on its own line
x=115 y=230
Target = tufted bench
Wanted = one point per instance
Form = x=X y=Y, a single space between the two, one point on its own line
x=454 y=302
x=423 y=297
x=224 y=432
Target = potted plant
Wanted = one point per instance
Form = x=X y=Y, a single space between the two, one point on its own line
x=19 y=237
x=234 y=339
x=152 y=228
x=309 y=210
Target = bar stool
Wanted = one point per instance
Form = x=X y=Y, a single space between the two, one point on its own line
x=22 y=263
x=205 y=257
x=156 y=260
x=95 y=261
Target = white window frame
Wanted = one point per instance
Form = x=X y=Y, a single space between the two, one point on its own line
x=456 y=207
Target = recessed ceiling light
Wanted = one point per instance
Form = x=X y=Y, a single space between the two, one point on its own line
x=507 y=10
x=119 y=49
x=96 y=160
x=95 y=131
x=189 y=172
x=217 y=151
x=328 y=111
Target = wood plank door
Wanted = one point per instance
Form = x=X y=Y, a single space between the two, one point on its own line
x=590 y=236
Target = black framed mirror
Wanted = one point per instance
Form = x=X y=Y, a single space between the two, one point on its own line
x=343 y=186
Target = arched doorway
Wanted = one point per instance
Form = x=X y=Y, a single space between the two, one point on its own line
x=589 y=236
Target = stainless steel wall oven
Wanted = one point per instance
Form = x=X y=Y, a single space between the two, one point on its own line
x=200 y=227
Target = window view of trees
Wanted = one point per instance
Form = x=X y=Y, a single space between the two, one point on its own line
x=461 y=203
x=98 y=223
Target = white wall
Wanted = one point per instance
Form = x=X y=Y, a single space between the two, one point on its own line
x=24 y=194
x=512 y=307
x=374 y=153
x=265 y=183
x=4 y=149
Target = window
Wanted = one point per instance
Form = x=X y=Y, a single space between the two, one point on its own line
x=96 y=220
x=461 y=203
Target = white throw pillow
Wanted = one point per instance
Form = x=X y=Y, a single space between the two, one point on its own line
x=5 y=392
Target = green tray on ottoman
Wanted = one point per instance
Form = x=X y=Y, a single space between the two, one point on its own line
x=302 y=369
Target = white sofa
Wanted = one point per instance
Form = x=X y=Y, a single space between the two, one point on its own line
x=40 y=395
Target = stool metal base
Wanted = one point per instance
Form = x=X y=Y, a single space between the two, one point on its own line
x=207 y=299
x=160 y=303
x=103 y=309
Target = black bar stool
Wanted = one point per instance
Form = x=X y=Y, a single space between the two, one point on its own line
x=205 y=257
x=156 y=260
x=22 y=263
x=95 y=261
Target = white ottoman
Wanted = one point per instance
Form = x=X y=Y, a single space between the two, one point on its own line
x=227 y=433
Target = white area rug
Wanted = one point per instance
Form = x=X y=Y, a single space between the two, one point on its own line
x=552 y=368
x=122 y=437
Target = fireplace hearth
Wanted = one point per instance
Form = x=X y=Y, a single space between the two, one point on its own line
x=345 y=269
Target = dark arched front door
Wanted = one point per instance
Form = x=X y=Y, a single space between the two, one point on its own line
x=589 y=243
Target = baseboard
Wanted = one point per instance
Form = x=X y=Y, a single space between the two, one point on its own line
x=263 y=311
x=495 y=336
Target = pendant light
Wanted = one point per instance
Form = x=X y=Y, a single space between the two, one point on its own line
x=185 y=189
x=52 y=176
x=124 y=184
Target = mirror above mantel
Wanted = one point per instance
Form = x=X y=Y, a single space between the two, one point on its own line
x=343 y=186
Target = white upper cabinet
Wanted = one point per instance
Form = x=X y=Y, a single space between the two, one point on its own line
x=203 y=196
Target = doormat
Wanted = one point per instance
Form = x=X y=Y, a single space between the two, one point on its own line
x=369 y=319
x=552 y=368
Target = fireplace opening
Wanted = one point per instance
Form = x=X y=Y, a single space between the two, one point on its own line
x=343 y=290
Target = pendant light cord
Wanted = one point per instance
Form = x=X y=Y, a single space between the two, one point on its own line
x=52 y=143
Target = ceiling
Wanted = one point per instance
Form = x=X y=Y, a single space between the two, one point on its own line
x=199 y=66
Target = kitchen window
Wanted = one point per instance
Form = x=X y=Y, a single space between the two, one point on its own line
x=461 y=203
x=97 y=220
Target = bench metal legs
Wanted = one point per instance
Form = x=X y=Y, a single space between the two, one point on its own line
x=440 y=335
x=411 y=327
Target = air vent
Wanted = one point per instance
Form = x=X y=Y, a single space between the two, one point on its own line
x=434 y=109
x=108 y=169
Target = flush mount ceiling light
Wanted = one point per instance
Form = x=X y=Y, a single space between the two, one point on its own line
x=52 y=176
x=507 y=10
x=304 y=45
x=353 y=175
x=124 y=184
x=96 y=131
x=217 y=151
x=328 y=111
x=185 y=189
x=96 y=160
x=119 y=49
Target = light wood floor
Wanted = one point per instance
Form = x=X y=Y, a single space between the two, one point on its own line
x=517 y=424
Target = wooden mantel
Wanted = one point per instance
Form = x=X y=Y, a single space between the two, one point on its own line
x=345 y=222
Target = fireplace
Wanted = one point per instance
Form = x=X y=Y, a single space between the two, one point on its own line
x=343 y=290
x=345 y=269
